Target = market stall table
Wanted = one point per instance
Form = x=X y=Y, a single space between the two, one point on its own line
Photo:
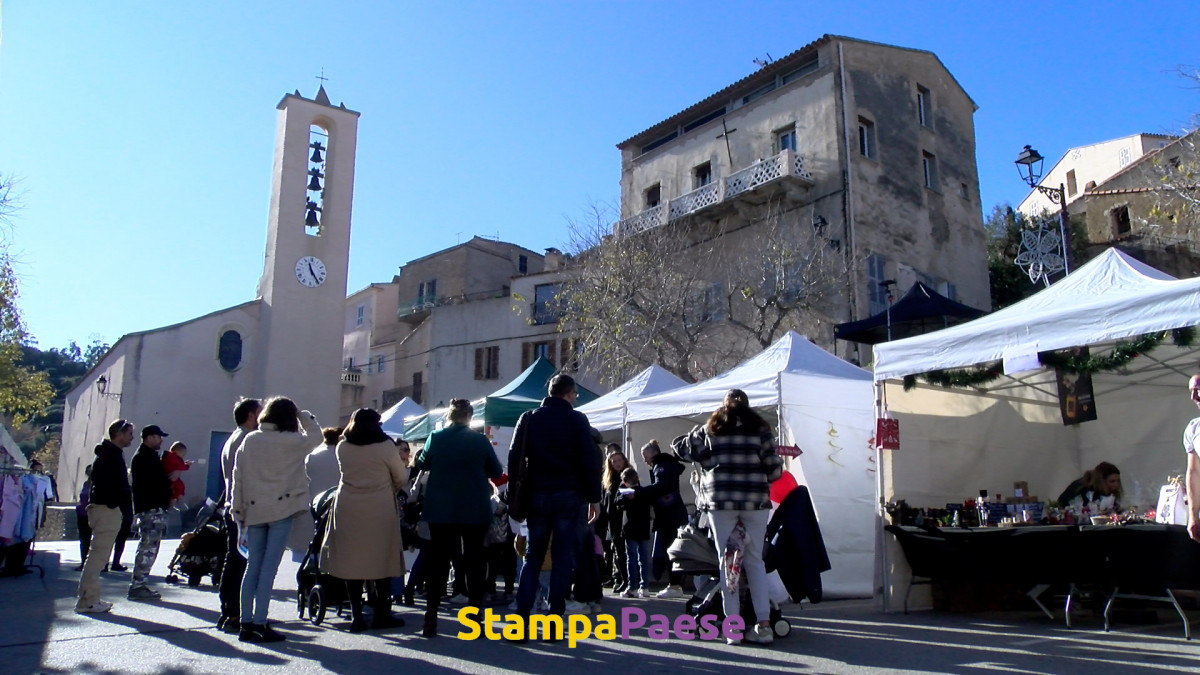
x=1144 y=561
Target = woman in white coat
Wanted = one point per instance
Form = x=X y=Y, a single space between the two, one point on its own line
x=269 y=489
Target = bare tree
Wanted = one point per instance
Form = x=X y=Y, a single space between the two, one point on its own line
x=1175 y=214
x=697 y=296
x=23 y=392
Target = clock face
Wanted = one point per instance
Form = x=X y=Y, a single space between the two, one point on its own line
x=310 y=271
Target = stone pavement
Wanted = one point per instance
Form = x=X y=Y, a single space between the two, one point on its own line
x=40 y=633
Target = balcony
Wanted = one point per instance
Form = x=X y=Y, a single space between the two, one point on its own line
x=744 y=184
x=353 y=377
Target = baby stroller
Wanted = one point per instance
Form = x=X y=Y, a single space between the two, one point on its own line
x=315 y=590
x=202 y=551
x=695 y=552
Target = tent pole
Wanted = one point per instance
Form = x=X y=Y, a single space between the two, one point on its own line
x=880 y=540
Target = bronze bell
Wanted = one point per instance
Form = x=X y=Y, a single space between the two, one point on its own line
x=316 y=155
x=315 y=183
x=311 y=219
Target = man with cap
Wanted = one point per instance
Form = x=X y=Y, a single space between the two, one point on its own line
x=151 y=498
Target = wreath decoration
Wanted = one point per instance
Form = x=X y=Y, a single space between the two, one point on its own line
x=1122 y=353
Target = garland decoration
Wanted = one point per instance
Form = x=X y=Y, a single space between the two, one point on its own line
x=1120 y=356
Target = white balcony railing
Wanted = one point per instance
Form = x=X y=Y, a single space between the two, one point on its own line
x=786 y=163
x=353 y=377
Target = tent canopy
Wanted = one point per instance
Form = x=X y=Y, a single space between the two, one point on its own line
x=525 y=392
x=758 y=377
x=921 y=310
x=608 y=412
x=1112 y=297
x=393 y=418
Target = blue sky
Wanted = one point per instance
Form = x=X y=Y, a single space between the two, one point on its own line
x=142 y=133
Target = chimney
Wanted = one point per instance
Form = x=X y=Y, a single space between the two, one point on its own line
x=553 y=260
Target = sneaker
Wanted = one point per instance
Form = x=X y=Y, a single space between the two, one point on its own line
x=759 y=635
x=630 y=593
x=619 y=590
x=643 y=593
x=144 y=594
x=574 y=607
x=97 y=607
x=459 y=599
x=670 y=592
x=270 y=634
x=232 y=627
x=117 y=567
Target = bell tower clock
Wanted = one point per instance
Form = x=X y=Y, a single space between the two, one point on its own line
x=303 y=284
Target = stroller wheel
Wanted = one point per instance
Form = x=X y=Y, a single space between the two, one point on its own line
x=195 y=579
x=781 y=627
x=172 y=579
x=316 y=605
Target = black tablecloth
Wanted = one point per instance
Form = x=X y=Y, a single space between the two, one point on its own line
x=1130 y=557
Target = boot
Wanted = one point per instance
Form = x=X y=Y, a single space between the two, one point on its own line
x=357 y=624
x=383 y=617
x=429 y=629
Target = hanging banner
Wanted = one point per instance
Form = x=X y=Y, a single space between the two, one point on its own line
x=1076 y=400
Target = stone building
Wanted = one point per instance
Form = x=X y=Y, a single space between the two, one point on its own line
x=1083 y=167
x=872 y=144
x=369 y=347
x=1133 y=211
x=187 y=377
x=458 y=323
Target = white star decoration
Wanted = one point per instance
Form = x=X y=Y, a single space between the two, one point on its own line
x=1041 y=253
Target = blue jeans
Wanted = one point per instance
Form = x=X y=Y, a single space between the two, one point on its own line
x=637 y=555
x=563 y=515
x=264 y=544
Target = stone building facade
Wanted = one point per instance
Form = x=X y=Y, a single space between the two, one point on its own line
x=872 y=144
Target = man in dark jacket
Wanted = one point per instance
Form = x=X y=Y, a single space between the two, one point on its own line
x=151 y=499
x=109 y=495
x=670 y=513
x=561 y=482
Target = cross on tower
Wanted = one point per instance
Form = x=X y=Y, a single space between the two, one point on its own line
x=322 y=77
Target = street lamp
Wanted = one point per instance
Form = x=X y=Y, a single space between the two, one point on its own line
x=1029 y=167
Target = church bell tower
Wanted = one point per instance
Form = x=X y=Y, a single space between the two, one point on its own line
x=303 y=284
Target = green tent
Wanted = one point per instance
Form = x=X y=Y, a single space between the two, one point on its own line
x=505 y=406
x=501 y=408
x=419 y=427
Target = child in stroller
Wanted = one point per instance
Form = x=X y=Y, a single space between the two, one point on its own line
x=200 y=552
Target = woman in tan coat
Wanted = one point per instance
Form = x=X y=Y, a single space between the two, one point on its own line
x=362 y=541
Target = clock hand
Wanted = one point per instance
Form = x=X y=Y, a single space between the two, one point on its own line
x=311 y=271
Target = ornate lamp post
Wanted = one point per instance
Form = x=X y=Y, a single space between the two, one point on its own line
x=1038 y=251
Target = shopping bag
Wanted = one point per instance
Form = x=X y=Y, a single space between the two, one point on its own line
x=1172 y=504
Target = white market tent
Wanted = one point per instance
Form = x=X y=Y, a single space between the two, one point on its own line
x=607 y=413
x=821 y=404
x=393 y=418
x=955 y=442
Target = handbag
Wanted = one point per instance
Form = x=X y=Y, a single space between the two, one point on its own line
x=518 y=492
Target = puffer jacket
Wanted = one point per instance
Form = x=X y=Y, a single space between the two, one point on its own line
x=269 y=482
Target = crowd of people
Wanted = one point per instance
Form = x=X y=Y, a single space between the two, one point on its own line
x=574 y=512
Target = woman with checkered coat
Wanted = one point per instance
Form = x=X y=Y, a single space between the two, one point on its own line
x=735 y=451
